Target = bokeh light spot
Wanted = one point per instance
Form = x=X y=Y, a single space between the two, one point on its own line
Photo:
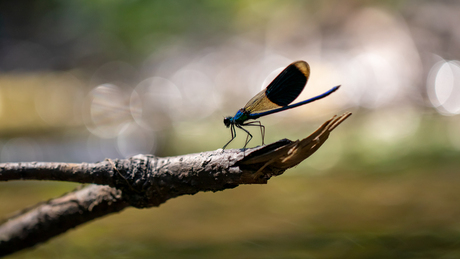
x=108 y=110
x=155 y=102
x=444 y=87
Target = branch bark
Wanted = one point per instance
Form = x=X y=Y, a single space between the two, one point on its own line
x=48 y=219
x=144 y=181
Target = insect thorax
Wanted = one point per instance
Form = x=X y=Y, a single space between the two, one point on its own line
x=240 y=117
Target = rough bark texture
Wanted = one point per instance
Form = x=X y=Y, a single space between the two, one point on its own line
x=98 y=173
x=56 y=216
x=144 y=181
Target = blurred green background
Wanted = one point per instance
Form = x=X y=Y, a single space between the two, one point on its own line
x=81 y=81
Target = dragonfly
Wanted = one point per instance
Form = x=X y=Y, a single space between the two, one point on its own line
x=276 y=97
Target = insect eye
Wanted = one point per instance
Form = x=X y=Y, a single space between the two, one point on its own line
x=227 y=121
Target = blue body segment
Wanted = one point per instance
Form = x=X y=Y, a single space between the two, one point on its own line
x=239 y=114
x=240 y=117
x=257 y=115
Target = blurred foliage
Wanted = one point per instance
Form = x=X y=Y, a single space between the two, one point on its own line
x=143 y=25
x=113 y=29
x=88 y=33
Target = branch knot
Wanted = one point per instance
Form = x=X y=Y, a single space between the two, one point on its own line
x=134 y=179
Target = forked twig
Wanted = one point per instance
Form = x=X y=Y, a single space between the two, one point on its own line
x=144 y=181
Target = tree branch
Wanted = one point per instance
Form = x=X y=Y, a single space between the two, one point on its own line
x=145 y=181
x=46 y=220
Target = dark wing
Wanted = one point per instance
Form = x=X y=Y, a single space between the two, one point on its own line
x=282 y=90
x=285 y=88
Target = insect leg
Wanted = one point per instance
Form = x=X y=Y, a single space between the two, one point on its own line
x=233 y=131
x=248 y=136
x=258 y=124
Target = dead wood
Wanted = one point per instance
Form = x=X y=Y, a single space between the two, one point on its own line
x=144 y=181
